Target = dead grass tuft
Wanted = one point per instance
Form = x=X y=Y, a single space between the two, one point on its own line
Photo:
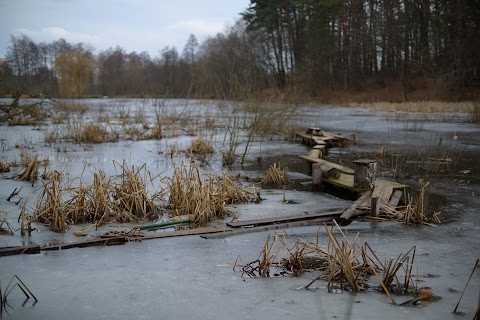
x=342 y=263
x=418 y=106
x=90 y=133
x=4 y=166
x=204 y=198
x=276 y=176
x=125 y=198
x=201 y=147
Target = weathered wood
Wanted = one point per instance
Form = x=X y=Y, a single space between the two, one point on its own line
x=279 y=226
x=315 y=153
x=317 y=174
x=352 y=210
x=9 y=251
x=365 y=173
x=375 y=206
x=190 y=232
x=383 y=193
x=298 y=217
x=328 y=163
x=395 y=199
x=329 y=172
x=314 y=131
x=89 y=243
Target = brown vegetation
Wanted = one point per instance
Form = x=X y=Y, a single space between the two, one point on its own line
x=125 y=198
x=204 y=198
x=342 y=263
x=276 y=176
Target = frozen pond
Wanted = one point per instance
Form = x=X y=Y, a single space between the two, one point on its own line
x=186 y=277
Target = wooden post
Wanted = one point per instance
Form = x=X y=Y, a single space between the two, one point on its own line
x=365 y=173
x=315 y=131
x=317 y=174
x=375 y=207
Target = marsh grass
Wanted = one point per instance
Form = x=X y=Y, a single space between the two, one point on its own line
x=4 y=166
x=342 y=262
x=133 y=132
x=127 y=197
x=276 y=176
x=433 y=156
x=204 y=198
x=70 y=107
x=31 y=165
x=419 y=106
x=201 y=148
x=191 y=194
x=133 y=200
x=84 y=132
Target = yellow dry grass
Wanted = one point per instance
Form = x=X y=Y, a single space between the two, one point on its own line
x=343 y=263
x=129 y=197
x=419 y=106
x=203 y=198
x=276 y=176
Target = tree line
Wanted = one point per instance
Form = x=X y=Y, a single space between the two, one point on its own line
x=308 y=47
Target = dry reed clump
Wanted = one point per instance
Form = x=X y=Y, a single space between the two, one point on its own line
x=67 y=107
x=157 y=132
x=201 y=147
x=50 y=205
x=133 y=132
x=125 y=198
x=342 y=263
x=229 y=185
x=203 y=198
x=190 y=194
x=276 y=176
x=31 y=165
x=133 y=200
x=419 y=106
x=90 y=133
x=4 y=166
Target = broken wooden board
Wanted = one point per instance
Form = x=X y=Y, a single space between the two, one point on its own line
x=269 y=221
x=383 y=193
x=395 y=199
x=352 y=210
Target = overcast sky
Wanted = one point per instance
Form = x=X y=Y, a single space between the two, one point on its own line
x=134 y=25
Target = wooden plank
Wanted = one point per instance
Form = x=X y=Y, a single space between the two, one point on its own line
x=395 y=185
x=89 y=243
x=315 y=153
x=352 y=210
x=9 y=251
x=383 y=192
x=345 y=181
x=298 y=217
x=123 y=239
x=395 y=199
x=334 y=135
x=190 y=232
x=328 y=163
x=279 y=226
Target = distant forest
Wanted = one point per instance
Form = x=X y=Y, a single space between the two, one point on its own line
x=320 y=49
